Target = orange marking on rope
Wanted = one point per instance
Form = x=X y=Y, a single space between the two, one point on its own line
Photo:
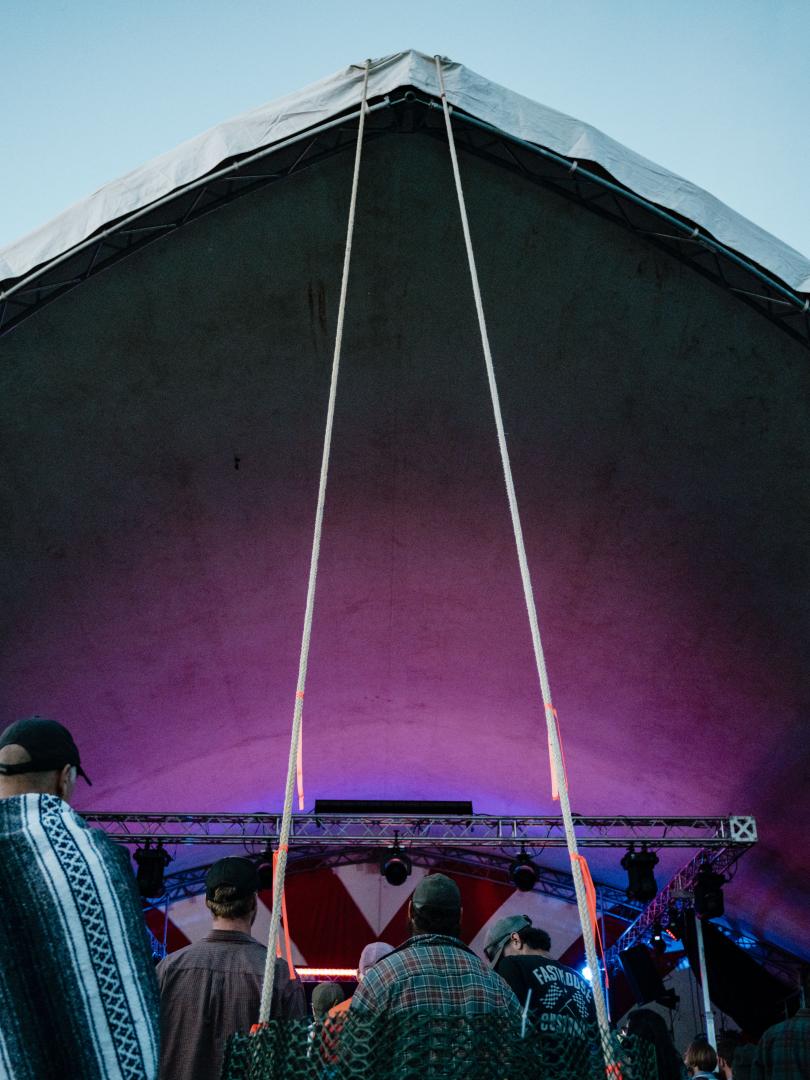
x=590 y=895
x=299 y=770
x=285 y=924
x=299 y=694
x=560 y=744
x=555 y=787
x=288 y=947
x=555 y=791
x=275 y=864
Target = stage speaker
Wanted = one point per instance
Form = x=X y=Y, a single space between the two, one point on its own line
x=393 y=807
x=642 y=974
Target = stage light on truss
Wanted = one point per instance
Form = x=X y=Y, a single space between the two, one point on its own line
x=523 y=873
x=395 y=866
x=641 y=883
x=586 y=973
x=151 y=863
x=709 y=903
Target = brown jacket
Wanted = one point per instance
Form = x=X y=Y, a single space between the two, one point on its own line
x=208 y=991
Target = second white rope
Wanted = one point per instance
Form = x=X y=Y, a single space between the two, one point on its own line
x=528 y=593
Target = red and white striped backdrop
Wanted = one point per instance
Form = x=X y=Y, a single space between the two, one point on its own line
x=333 y=913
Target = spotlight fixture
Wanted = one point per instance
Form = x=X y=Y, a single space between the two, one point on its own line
x=709 y=903
x=151 y=863
x=395 y=866
x=523 y=872
x=641 y=883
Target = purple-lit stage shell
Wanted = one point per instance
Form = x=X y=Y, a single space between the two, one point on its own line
x=162 y=421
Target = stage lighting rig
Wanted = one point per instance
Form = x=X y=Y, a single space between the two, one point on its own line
x=709 y=903
x=523 y=873
x=151 y=863
x=395 y=866
x=641 y=883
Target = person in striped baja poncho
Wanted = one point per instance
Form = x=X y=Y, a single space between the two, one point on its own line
x=78 y=993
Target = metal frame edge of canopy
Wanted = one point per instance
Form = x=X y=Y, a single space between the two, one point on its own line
x=412 y=112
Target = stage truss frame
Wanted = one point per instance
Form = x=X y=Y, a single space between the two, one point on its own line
x=481 y=845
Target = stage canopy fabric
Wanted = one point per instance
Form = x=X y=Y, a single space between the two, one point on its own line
x=509 y=112
x=162 y=421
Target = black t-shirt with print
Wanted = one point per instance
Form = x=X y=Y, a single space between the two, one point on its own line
x=561 y=1000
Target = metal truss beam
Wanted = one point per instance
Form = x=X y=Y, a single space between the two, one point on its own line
x=477 y=830
x=678 y=893
x=408 y=113
x=480 y=844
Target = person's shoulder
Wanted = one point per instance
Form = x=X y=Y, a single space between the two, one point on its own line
x=776 y=1032
x=517 y=962
x=109 y=851
x=385 y=967
x=181 y=957
x=252 y=957
x=517 y=967
x=376 y=983
x=341 y=1007
x=173 y=965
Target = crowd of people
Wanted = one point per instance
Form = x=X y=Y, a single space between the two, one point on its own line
x=81 y=998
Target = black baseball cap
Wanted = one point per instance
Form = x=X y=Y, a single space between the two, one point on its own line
x=49 y=744
x=437 y=891
x=240 y=873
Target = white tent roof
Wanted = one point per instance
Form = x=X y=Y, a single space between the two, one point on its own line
x=510 y=112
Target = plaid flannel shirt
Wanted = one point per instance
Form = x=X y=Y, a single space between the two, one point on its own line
x=434 y=973
x=784 y=1050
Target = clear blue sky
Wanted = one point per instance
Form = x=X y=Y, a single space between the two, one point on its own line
x=716 y=90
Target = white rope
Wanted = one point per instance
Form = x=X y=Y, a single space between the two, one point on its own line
x=295 y=738
x=554 y=742
x=525 y=1014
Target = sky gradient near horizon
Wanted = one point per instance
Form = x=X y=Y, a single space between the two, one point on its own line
x=715 y=93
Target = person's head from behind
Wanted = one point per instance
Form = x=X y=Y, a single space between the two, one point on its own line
x=700 y=1057
x=726 y=1048
x=435 y=907
x=324 y=997
x=371 y=955
x=39 y=757
x=514 y=935
x=651 y=1026
x=231 y=887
